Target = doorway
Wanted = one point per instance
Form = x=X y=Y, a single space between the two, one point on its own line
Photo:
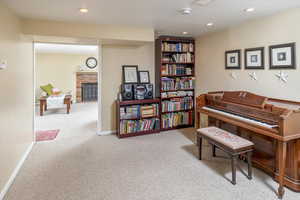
x=66 y=90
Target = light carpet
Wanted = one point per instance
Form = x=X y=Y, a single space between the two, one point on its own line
x=153 y=167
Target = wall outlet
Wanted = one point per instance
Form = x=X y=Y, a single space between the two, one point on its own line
x=3 y=65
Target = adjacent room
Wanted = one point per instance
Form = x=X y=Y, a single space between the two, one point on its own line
x=66 y=89
x=154 y=100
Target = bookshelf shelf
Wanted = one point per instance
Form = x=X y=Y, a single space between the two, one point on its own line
x=177 y=90
x=184 y=75
x=138 y=117
x=138 y=133
x=167 y=98
x=177 y=52
x=175 y=65
x=183 y=110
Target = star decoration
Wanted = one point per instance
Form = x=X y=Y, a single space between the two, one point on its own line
x=282 y=76
x=233 y=75
x=253 y=76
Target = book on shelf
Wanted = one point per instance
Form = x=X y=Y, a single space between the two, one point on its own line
x=173 y=69
x=177 y=47
x=134 y=126
x=176 y=94
x=177 y=104
x=177 y=83
x=138 y=111
x=172 y=120
x=178 y=58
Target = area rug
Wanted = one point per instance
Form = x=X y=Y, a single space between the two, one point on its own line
x=46 y=135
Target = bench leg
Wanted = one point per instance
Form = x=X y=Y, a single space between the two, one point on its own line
x=200 y=147
x=233 y=166
x=213 y=150
x=249 y=161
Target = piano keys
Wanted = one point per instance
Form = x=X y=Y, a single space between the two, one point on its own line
x=273 y=125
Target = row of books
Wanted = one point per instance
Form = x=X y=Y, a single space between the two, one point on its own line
x=177 y=94
x=179 y=58
x=175 y=70
x=178 y=47
x=177 y=104
x=177 y=83
x=171 y=120
x=133 y=126
x=137 y=111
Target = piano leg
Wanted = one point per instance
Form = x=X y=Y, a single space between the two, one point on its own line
x=200 y=147
x=281 y=167
x=198 y=120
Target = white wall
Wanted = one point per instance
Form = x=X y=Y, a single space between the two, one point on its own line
x=16 y=101
x=210 y=59
x=59 y=70
x=113 y=59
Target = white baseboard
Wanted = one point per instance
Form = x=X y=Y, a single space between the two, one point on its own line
x=15 y=172
x=106 y=132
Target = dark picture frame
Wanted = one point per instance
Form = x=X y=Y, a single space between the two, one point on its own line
x=130 y=74
x=233 y=59
x=255 y=58
x=141 y=79
x=280 y=58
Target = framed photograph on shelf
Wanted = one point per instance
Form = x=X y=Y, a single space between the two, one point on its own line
x=282 y=56
x=254 y=58
x=130 y=74
x=233 y=59
x=144 y=77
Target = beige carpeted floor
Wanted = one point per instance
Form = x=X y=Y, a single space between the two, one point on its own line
x=80 y=165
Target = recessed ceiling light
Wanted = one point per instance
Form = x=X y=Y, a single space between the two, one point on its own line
x=203 y=2
x=249 y=9
x=83 y=10
x=186 y=11
x=184 y=33
x=210 y=24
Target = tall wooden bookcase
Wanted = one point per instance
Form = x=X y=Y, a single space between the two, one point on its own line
x=174 y=69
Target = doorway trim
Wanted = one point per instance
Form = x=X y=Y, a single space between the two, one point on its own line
x=99 y=71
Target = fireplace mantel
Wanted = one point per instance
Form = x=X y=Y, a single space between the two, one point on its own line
x=84 y=77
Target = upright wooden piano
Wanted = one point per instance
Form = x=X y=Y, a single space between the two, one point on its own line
x=273 y=125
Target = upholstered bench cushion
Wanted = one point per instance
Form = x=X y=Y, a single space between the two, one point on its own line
x=228 y=139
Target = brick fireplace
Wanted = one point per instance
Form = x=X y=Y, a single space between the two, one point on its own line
x=81 y=78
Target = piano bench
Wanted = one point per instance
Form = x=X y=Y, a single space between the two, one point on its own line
x=231 y=144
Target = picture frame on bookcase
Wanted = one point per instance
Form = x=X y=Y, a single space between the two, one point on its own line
x=282 y=56
x=144 y=77
x=254 y=58
x=233 y=59
x=130 y=74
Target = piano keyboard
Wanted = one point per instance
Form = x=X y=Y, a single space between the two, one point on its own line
x=240 y=118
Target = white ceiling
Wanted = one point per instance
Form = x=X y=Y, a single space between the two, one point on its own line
x=66 y=49
x=162 y=15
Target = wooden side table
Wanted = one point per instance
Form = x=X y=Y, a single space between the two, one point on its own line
x=43 y=104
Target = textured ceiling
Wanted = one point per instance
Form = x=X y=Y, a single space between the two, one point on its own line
x=162 y=15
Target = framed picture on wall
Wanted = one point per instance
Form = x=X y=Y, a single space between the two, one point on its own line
x=144 y=77
x=282 y=56
x=233 y=59
x=255 y=58
x=130 y=74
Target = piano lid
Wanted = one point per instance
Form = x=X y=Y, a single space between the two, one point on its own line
x=284 y=104
x=245 y=98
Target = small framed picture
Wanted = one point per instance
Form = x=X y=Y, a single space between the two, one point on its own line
x=144 y=77
x=130 y=74
x=254 y=58
x=233 y=59
x=283 y=56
